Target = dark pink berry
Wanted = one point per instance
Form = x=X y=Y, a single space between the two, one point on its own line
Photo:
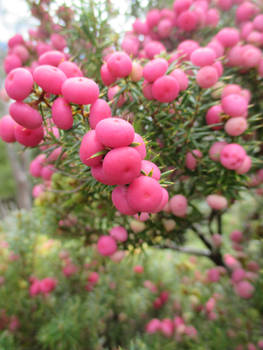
x=80 y=90
x=119 y=64
x=25 y=115
x=19 y=84
x=119 y=199
x=49 y=78
x=29 y=137
x=7 y=129
x=165 y=89
x=62 y=114
x=89 y=146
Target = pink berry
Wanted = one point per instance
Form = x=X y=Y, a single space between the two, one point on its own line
x=106 y=246
x=119 y=64
x=113 y=94
x=234 y=105
x=137 y=72
x=165 y=27
x=181 y=5
x=178 y=205
x=191 y=159
x=29 y=137
x=62 y=114
x=138 y=269
x=244 y=289
x=153 y=326
x=155 y=69
x=49 y=78
x=115 y=132
x=228 y=37
x=213 y=116
x=36 y=165
x=80 y=90
x=19 y=84
x=7 y=129
x=216 y=47
x=37 y=190
x=216 y=202
x=144 y=194
x=164 y=201
x=236 y=236
x=153 y=17
x=15 y=40
x=245 y=166
x=181 y=78
x=212 y=18
x=154 y=48
x=238 y=275
x=231 y=89
x=119 y=233
x=58 y=41
x=215 y=150
x=147 y=88
x=122 y=165
x=203 y=56
x=140 y=27
x=11 y=62
x=258 y=22
x=245 y=11
x=207 y=77
x=89 y=146
x=236 y=126
x=106 y=76
x=148 y=167
x=119 y=199
x=47 y=172
x=70 y=69
x=187 y=21
x=51 y=58
x=165 y=89
x=250 y=56
x=98 y=173
x=25 y=115
x=141 y=148
x=99 y=110
x=232 y=156
x=186 y=47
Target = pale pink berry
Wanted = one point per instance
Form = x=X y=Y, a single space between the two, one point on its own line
x=181 y=5
x=181 y=78
x=186 y=48
x=234 y=56
x=187 y=21
x=215 y=150
x=225 y=5
x=153 y=326
x=231 y=262
x=236 y=236
x=167 y=327
x=119 y=64
x=217 y=47
x=147 y=89
x=62 y=114
x=153 y=17
x=15 y=40
x=234 y=105
x=29 y=137
x=58 y=41
x=137 y=72
x=250 y=56
x=165 y=27
x=80 y=90
x=212 y=18
x=191 y=159
x=203 y=56
x=141 y=148
x=119 y=233
x=11 y=62
x=213 y=116
x=216 y=202
x=114 y=132
x=231 y=89
x=232 y=156
x=122 y=165
x=236 y=126
x=89 y=146
x=106 y=76
x=37 y=190
x=228 y=37
x=154 y=48
x=244 y=289
x=25 y=115
x=130 y=45
x=99 y=110
x=49 y=78
x=138 y=269
x=165 y=89
x=258 y=23
x=207 y=77
x=70 y=69
x=148 y=168
x=178 y=205
x=245 y=11
x=217 y=240
x=52 y=58
x=119 y=199
x=7 y=129
x=36 y=165
x=19 y=84
x=140 y=27
x=106 y=246
x=155 y=69
x=238 y=275
x=144 y=194
x=47 y=172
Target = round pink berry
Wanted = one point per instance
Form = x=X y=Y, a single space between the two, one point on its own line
x=187 y=21
x=36 y=165
x=203 y=56
x=7 y=129
x=52 y=58
x=119 y=233
x=148 y=167
x=70 y=69
x=178 y=205
x=155 y=69
x=245 y=166
x=106 y=76
x=119 y=64
x=165 y=89
x=120 y=201
x=80 y=90
x=15 y=40
x=244 y=289
x=137 y=72
x=228 y=37
x=216 y=202
x=19 y=84
x=106 y=246
x=29 y=137
x=25 y=115
x=89 y=146
x=49 y=78
x=47 y=172
x=11 y=62
x=191 y=159
x=154 y=48
x=141 y=148
x=122 y=165
x=213 y=116
x=231 y=89
x=181 y=78
x=215 y=150
x=115 y=132
x=99 y=110
x=62 y=114
x=98 y=173
x=207 y=77
x=232 y=156
x=153 y=17
x=236 y=236
x=144 y=194
x=236 y=126
x=234 y=105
